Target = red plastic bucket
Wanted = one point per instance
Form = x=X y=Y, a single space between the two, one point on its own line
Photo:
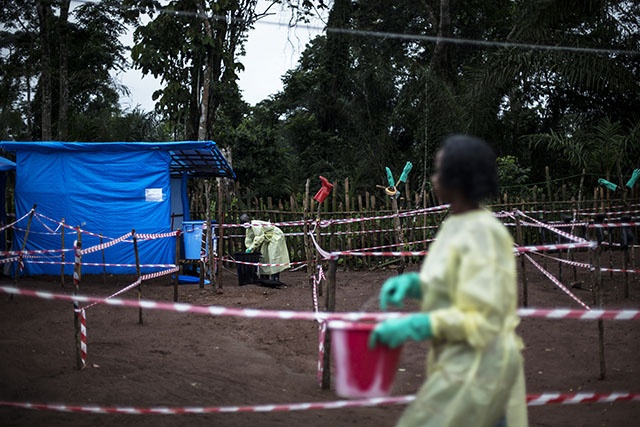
x=359 y=371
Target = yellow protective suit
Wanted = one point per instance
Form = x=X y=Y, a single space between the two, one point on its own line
x=270 y=241
x=475 y=372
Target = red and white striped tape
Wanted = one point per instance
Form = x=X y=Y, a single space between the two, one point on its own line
x=567 y=261
x=106 y=245
x=557 y=282
x=589 y=266
x=77 y=261
x=261 y=264
x=553 y=229
x=100 y=264
x=615 y=225
x=119 y=292
x=620 y=270
x=380 y=254
x=16 y=221
x=555 y=247
x=82 y=315
x=34 y=252
x=157 y=274
x=136 y=283
x=327 y=222
x=532 y=400
x=302 y=315
x=145 y=236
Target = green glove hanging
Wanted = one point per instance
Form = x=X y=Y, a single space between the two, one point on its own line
x=610 y=185
x=396 y=289
x=390 y=180
x=634 y=177
x=405 y=172
x=394 y=332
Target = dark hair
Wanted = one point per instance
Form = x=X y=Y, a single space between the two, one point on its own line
x=468 y=165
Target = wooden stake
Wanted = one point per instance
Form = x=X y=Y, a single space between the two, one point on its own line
x=330 y=306
x=104 y=266
x=221 y=221
x=139 y=287
x=598 y=298
x=399 y=233
x=22 y=248
x=625 y=266
x=525 y=288
x=308 y=245
x=176 y=279
x=77 y=274
x=62 y=255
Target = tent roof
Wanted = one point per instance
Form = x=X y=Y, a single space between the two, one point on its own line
x=196 y=158
x=6 y=164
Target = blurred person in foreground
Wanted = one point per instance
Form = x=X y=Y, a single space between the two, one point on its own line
x=270 y=241
x=468 y=293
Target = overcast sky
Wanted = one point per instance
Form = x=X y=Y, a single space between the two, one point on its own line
x=272 y=49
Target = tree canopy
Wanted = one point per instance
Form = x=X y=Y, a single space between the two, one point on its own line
x=549 y=84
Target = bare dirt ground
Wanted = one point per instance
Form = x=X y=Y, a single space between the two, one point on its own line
x=178 y=359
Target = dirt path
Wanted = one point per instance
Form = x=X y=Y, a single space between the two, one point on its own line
x=178 y=359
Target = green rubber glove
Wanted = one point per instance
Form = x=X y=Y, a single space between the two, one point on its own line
x=390 y=180
x=394 y=332
x=610 y=185
x=396 y=289
x=634 y=177
x=405 y=172
x=248 y=250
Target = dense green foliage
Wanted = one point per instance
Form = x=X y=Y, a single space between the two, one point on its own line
x=551 y=83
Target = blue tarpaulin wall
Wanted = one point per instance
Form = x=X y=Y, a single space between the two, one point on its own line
x=105 y=188
x=6 y=165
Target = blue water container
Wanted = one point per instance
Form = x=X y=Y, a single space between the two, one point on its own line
x=192 y=235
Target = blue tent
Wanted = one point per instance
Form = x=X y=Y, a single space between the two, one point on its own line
x=107 y=189
x=6 y=165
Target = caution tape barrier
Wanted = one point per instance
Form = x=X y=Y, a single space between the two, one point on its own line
x=532 y=400
x=303 y=315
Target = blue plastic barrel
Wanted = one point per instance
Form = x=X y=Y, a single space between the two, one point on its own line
x=192 y=237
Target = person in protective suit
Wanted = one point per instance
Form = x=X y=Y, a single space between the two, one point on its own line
x=468 y=293
x=269 y=240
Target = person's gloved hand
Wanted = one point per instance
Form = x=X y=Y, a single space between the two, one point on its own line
x=396 y=289
x=248 y=250
x=394 y=332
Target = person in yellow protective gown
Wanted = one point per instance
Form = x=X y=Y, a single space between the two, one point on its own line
x=468 y=292
x=270 y=241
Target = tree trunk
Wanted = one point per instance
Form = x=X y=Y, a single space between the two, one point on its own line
x=441 y=59
x=206 y=84
x=63 y=111
x=44 y=14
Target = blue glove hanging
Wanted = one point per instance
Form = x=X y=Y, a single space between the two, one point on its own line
x=395 y=332
x=396 y=289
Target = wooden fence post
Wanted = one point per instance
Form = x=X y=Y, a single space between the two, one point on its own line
x=176 y=278
x=525 y=288
x=62 y=255
x=139 y=287
x=77 y=274
x=330 y=306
